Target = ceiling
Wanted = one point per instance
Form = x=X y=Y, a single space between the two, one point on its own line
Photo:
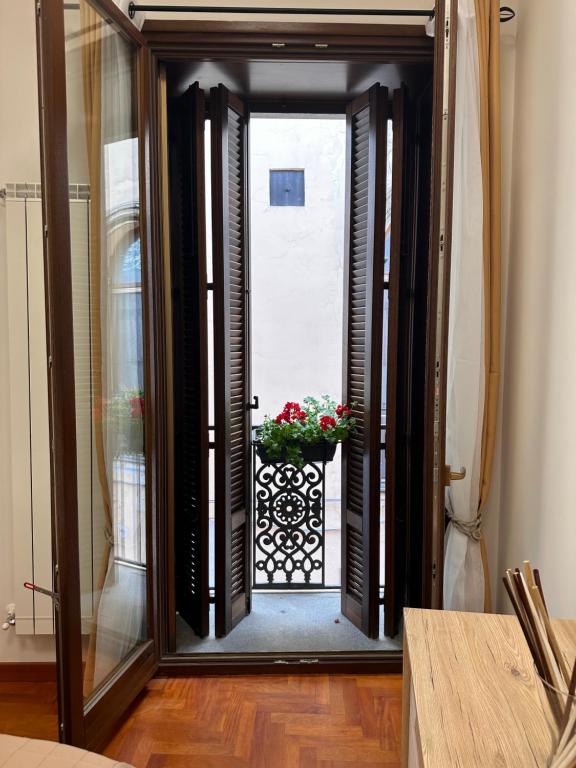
x=317 y=80
x=369 y=4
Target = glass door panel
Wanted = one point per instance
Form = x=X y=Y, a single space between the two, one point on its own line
x=103 y=174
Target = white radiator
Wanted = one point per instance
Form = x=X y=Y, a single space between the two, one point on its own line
x=29 y=429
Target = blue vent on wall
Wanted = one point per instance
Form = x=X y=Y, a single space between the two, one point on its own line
x=287 y=187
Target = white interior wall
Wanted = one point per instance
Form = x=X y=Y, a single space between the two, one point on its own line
x=403 y=4
x=538 y=494
x=19 y=161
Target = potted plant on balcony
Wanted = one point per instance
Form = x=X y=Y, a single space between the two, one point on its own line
x=299 y=435
x=123 y=415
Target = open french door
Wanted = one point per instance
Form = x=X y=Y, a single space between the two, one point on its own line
x=232 y=406
x=92 y=74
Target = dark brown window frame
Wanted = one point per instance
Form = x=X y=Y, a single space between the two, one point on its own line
x=183 y=40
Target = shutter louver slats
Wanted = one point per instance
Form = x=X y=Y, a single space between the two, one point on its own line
x=366 y=168
x=190 y=328
x=232 y=434
x=395 y=511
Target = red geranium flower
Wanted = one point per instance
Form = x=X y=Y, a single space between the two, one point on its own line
x=342 y=411
x=326 y=422
x=291 y=413
x=137 y=407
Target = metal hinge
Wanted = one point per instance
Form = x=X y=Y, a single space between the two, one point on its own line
x=38 y=8
x=433 y=570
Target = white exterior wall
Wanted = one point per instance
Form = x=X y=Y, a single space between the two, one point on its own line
x=297 y=256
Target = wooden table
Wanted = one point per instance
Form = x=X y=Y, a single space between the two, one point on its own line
x=470 y=695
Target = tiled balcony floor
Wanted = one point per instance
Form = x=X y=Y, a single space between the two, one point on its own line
x=294 y=621
x=288 y=622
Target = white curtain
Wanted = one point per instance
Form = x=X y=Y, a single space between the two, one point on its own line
x=463 y=569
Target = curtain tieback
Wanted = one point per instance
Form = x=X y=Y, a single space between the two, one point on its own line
x=109 y=536
x=470 y=528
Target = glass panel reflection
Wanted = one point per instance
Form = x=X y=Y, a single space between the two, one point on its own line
x=108 y=343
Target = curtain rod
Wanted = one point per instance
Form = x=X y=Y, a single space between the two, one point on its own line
x=506 y=13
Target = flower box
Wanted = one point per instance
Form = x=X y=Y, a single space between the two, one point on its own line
x=299 y=436
x=323 y=451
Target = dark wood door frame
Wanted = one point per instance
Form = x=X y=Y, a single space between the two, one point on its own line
x=444 y=100
x=287 y=40
x=61 y=381
x=173 y=41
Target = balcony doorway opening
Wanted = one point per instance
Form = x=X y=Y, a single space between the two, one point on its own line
x=297 y=231
x=299 y=243
x=297 y=225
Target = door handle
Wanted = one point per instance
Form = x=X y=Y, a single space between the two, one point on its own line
x=253 y=406
x=449 y=476
x=43 y=591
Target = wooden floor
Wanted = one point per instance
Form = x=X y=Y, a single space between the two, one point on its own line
x=29 y=709
x=312 y=721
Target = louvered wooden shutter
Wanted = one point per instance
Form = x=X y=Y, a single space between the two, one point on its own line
x=363 y=302
x=395 y=499
x=190 y=332
x=231 y=359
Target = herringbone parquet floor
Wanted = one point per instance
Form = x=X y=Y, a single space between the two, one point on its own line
x=313 y=721
x=29 y=710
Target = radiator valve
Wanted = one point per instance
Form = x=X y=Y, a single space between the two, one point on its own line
x=10 y=619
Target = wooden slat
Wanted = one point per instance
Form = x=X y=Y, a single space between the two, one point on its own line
x=232 y=422
x=190 y=330
x=395 y=532
x=364 y=269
